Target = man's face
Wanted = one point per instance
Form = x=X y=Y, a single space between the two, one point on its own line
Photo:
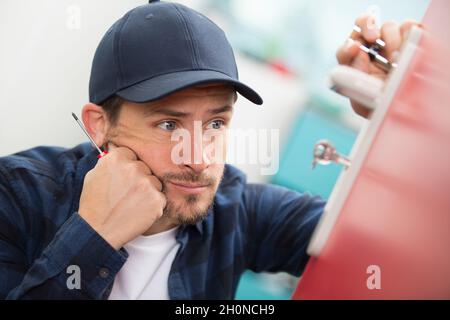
x=148 y=130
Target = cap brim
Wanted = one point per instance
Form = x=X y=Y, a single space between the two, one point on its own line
x=163 y=85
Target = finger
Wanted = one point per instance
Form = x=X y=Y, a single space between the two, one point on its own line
x=361 y=110
x=143 y=167
x=348 y=51
x=155 y=181
x=125 y=152
x=369 y=29
x=390 y=33
x=361 y=62
x=405 y=28
x=164 y=199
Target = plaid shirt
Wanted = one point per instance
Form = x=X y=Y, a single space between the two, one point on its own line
x=251 y=226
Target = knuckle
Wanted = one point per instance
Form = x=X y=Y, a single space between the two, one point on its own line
x=154 y=181
x=161 y=197
x=160 y=212
x=340 y=56
x=361 y=20
x=113 y=154
x=158 y=184
x=389 y=24
x=389 y=29
x=111 y=159
x=142 y=185
x=131 y=169
x=142 y=166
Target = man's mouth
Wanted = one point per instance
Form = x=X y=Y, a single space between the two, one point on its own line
x=193 y=188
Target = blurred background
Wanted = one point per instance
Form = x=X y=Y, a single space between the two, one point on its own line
x=284 y=49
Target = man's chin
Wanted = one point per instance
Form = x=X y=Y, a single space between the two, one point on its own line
x=191 y=210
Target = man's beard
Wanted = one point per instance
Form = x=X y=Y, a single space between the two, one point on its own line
x=189 y=211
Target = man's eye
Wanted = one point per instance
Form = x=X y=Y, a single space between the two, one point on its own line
x=168 y=125
x=216 y=124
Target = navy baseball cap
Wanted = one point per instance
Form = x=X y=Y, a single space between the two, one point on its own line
x=159 y=48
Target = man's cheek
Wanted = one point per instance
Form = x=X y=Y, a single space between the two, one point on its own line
x=217 y=170
x=215 y=150
x=158 y=159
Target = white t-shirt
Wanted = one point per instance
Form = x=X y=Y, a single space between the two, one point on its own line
x=146 y=272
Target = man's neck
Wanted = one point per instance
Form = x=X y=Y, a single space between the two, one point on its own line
x=161 y=225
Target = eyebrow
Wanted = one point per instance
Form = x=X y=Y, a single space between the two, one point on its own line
x=179 y=114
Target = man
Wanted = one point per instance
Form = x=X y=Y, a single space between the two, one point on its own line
x=136 y=224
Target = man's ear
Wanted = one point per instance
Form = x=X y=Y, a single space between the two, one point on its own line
x=96 y=122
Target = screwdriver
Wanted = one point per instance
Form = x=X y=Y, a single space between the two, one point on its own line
x=101 y=153
x=373 y=52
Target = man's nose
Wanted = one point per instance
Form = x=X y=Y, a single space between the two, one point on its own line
x=197 y=168
x=199 y=160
